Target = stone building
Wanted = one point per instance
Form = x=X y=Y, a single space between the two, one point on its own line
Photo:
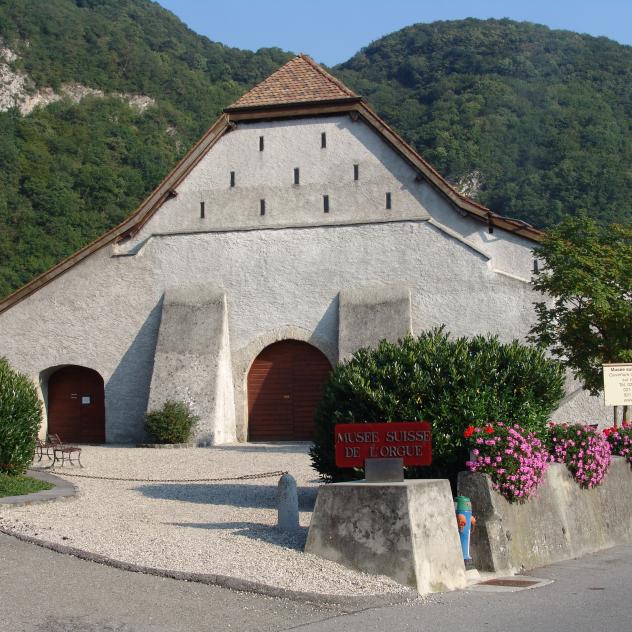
x=299 y=228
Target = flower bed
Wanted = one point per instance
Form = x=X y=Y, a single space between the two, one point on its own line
x=559 y=522
x=620 y=440
x=514 y=459
x=585 y=451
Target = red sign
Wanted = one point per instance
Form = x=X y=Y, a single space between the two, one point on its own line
x=410 y=440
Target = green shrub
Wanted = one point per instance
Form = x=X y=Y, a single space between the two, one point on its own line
x=452 y=383
x=173 y=423
x=20 y=420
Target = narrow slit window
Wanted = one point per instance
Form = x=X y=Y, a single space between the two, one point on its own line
x=202 y=210
x=326 y=203
x=232 y=178
x=297 y=176
x=260 y=143
x=356 y=172
x=323 y=140
x=388 y=201
x=262 y=207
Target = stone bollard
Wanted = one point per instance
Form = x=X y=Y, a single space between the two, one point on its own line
x=287 y=499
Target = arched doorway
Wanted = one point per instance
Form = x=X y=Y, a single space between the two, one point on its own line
x=285 y=384
x=76 y=405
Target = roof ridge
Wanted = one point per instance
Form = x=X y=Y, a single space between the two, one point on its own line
x=299 y=80
x=326 y=74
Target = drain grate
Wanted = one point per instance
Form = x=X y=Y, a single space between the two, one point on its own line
x=512 y=583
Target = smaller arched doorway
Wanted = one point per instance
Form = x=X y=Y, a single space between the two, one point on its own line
x=285 y=384
x=76 y=405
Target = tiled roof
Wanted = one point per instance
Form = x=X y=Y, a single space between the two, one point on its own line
x=300 y=80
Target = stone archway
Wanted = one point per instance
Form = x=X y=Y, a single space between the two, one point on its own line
x=76 y=405
x=285 y=384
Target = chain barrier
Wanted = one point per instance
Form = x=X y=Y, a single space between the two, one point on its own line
x=244 y=477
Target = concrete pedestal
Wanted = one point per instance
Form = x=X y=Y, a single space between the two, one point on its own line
x=406 y=531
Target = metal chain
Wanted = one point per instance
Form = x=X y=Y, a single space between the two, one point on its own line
x=244 y=477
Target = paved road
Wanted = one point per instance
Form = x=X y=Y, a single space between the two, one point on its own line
x=42 y=591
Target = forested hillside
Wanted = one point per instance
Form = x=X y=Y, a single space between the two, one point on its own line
x=69 y=171
x=99 y=98
x=534 y=123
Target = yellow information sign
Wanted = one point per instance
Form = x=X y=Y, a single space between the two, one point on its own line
x=617 y=384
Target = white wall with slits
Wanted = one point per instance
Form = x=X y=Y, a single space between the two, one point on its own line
x=282 y=272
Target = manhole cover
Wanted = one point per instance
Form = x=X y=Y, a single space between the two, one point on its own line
x=513 y=583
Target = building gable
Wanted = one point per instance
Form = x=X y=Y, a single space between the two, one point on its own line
x=310 y=172
x=299 y=90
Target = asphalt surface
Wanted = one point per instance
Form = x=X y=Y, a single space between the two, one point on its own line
x=43 y=591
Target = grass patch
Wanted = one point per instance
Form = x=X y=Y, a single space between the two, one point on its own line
x=20 y=485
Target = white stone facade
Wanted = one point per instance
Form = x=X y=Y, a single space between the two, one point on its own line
x=281 y=273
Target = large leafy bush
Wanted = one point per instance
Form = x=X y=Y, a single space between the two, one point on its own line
x=20 y=419
x=173 y=423
x=450 y=382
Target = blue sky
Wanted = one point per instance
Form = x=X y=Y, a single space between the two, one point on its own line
x=331 y=31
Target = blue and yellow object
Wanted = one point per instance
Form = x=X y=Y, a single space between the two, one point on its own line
x=463 y=507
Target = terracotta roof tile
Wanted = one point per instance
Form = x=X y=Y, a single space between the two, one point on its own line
x=300 y=80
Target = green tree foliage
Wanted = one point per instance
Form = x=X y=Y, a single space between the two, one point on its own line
x=544 y=116
x=129 y=46
x=20 y=420
x=587 y=274
x=450 y=382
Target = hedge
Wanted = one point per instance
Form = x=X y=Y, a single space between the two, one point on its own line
x=20 y=420
x=450 y=382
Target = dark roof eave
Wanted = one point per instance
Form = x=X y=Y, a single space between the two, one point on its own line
x=273 y=107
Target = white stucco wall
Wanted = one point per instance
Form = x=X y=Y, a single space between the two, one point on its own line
x=281 y=273
x=269 y=175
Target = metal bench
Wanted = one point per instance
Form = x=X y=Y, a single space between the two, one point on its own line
x=63 y=452
x=43 y=449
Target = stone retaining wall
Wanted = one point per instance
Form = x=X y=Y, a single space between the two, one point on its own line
x=562 y=522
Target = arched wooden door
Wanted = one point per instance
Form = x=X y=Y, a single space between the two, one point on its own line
x=76 y=405
x=285 y=384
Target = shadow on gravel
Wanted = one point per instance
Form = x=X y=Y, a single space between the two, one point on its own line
x=255 y=531
x=235 y=495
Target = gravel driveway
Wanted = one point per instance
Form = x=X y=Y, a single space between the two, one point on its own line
x=205 y=527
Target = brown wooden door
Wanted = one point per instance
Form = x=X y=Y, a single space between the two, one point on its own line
x=285 y=384
x=76 y=405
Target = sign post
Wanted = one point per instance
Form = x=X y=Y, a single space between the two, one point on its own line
x=385 y=525
x=617 y=386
